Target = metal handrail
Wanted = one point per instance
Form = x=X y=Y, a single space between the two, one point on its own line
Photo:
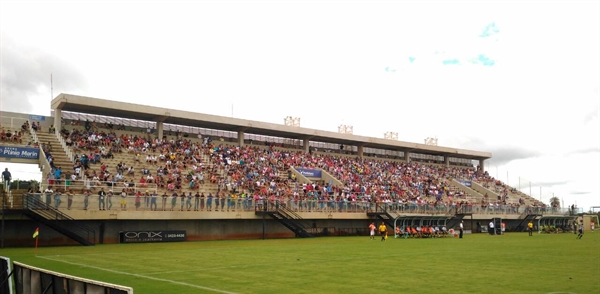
x=67 y=184
x=34 y=203
x=42 y=160
x=64 y=146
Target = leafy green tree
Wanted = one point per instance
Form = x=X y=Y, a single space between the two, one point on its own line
x=554 y=202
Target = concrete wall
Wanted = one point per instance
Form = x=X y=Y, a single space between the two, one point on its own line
x=15 y=120
x=18 y=233
x=18 y=228
x=465 y=189
x=482 y=190
x=325 y=176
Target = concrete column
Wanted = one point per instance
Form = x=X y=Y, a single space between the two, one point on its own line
x=407 y=156
x=306 y=145
x=481 y=165
x=240 y=136
x=159 y=129
x=57 y=119
x=360 y=151
x=447 y=160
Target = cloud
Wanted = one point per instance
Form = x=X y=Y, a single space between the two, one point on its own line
x=584 y=151
x=579 y=192
x=450 y=61
x=551 y=183
x=501 y=152
x=591 y=116
x=506 y=154
x=489 y=30
x=25 y=72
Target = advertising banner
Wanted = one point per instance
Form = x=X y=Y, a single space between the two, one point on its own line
x=465 y=183
x=37 y=117
x=309 y=173
x=19 y=152
x=151 y=236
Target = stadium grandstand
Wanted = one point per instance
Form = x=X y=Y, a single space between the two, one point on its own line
x=121 y=172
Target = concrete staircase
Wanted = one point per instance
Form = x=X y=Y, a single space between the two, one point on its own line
x=61 y=159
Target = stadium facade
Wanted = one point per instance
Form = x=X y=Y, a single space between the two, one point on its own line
x=271 y=219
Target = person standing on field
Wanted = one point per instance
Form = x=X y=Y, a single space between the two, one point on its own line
x=383 y=231
x=530 y=228
x=460 y=228
x=372 y=231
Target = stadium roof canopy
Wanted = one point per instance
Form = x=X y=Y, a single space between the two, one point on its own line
x=88 y=105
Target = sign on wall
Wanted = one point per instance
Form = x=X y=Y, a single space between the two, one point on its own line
x=465 y=183
x=151 y=236
x=309 y=173
x=37 y=117
x=19 y=152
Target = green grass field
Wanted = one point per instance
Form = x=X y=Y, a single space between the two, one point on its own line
x=512 y=263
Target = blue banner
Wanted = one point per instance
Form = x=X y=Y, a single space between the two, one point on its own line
x=465 y=183
x=309 y=173
x=37 y=117
x=19 y=152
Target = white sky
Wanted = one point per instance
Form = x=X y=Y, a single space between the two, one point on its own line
x=526 y=89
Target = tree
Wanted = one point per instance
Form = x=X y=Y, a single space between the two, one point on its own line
x=35 y=185
x=554 y=202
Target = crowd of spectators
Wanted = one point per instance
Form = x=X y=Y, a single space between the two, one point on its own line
x=179 y=165
x=172 y=164
x=16 y=136
x=398 y=185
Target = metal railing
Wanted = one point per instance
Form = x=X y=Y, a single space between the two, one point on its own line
x=35 y=203
x=167 y=202
x=96 y=185
x=12 y=122
x=42 y=160
x=64 y=146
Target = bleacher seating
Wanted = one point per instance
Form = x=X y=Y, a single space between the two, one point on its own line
x=221 y=168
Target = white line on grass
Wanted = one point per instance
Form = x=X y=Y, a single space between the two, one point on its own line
x=140 y=276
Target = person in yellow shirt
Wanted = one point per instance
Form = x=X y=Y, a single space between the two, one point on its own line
x=383 y=231
x=530 y=228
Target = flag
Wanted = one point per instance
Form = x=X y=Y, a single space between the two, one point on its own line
x=36 y=233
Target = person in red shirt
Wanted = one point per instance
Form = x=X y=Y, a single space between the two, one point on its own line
x=372 y=231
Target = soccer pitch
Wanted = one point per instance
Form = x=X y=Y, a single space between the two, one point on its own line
x=480 y=263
